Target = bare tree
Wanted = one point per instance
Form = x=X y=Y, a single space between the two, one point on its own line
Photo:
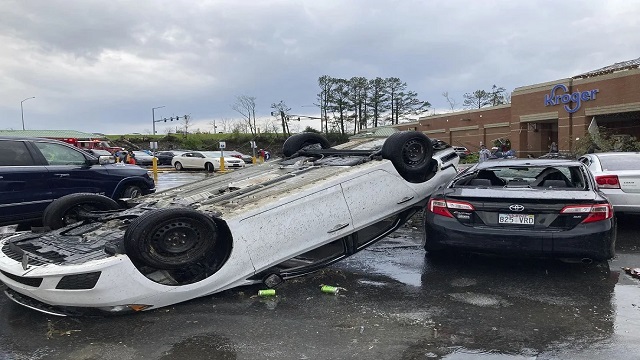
x=476 y=100
x=282 y=110
x=452 y=102
x=246 y=106
x=497 y=95
x=186 y=123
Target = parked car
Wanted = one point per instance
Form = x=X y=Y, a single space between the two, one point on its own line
x=229 y=161
x=34 y=172
x=143 y=158
x=266 y=224
x=462 y=151
x=165 y=157
x=248 y=159
x=546 y=208
x=204 y=160
x=98 y=153
x=618 y=177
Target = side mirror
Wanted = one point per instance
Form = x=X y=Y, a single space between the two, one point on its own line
x=105 y=159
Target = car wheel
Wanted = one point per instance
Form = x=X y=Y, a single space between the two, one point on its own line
x=297 y=142
x=170 y=238
x=69 y=209
x=132 y=191
x=410 y=153
x=178 y=166
x=209 y=167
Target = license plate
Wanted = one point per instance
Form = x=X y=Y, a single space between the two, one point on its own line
x=518 y=219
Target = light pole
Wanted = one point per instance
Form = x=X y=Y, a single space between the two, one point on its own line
x=153 y=116
x=22 y=109
x=154 y=162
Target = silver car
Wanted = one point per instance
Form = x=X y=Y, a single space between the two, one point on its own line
x=618 y=177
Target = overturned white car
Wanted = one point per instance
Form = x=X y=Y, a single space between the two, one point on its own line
x=264 y=223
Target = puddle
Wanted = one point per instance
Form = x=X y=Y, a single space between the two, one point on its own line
x=202 y=347
x=479 y=299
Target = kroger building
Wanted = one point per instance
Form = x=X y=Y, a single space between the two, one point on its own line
x=557 y=111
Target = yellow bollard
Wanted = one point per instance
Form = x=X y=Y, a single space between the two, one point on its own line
x=222 y=164
x=155 y=169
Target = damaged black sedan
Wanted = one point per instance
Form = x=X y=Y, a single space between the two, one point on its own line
x=544 y=208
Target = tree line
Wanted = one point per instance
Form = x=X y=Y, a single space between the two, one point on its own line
x=359 y=103
x=350 y=105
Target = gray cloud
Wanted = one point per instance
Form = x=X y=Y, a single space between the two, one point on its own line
x=101 y=66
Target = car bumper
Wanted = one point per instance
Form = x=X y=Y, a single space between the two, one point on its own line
x=594 y=241
x=623 y=201
x=41 y=284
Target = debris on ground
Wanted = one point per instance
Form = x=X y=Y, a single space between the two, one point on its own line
x=267 y=292
x=334 y=290
x=635 y=272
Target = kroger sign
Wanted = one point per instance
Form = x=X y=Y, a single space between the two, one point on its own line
x=577 y=97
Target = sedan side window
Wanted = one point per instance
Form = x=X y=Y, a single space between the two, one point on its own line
x=57 y=154
x=15 y=153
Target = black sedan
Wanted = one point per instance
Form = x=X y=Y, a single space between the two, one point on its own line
x=545 y=208
x=165 y=157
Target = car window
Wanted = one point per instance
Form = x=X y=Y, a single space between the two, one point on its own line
x=57 y=154
x=566 y=177
x=624 y=161
x=15 y=153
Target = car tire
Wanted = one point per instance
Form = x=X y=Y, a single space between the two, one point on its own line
x=410 y=153
x=178 y=166
x=66 y=210
x=132 y=191
x=209 y=167
x=297 y=142
x=171 y=238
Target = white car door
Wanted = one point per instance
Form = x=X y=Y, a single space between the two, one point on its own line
x=295 y=227
x=376 y=195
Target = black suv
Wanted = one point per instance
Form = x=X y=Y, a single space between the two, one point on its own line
x=34 y=172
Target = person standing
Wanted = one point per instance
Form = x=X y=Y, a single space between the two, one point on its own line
x=553 y=148
x=483 y=154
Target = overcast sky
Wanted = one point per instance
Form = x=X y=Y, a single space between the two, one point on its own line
x=101 y=66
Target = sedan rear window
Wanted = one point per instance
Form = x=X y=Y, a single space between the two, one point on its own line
x=624 y=161
x=538 y=177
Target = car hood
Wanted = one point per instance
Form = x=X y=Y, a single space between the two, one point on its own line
x=124 y=169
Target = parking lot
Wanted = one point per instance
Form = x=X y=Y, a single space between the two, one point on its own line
x=395 y=304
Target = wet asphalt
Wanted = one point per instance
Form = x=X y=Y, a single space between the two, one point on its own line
x=396 y=304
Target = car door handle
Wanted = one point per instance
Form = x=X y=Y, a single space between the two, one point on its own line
x=405 y=199
x=61 y=175
x=338 y=227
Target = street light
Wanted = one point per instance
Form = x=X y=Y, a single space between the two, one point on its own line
x=22 y=109
x=153 y=116
x=154 y=160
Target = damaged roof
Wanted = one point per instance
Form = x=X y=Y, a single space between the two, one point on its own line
x=619 y=66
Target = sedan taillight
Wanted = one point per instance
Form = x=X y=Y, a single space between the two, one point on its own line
x=596 y=212
x=442 y=207
x=608 y=181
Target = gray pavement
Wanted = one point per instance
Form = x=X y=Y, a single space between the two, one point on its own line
x=398 y=304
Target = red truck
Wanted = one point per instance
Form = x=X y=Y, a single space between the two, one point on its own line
x=92 y=144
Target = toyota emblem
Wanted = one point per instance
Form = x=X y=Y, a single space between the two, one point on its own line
x=516 y=207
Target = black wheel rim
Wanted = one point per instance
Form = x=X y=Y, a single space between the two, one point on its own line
x=413 y=152
x=176 y=238
x=134 y=193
